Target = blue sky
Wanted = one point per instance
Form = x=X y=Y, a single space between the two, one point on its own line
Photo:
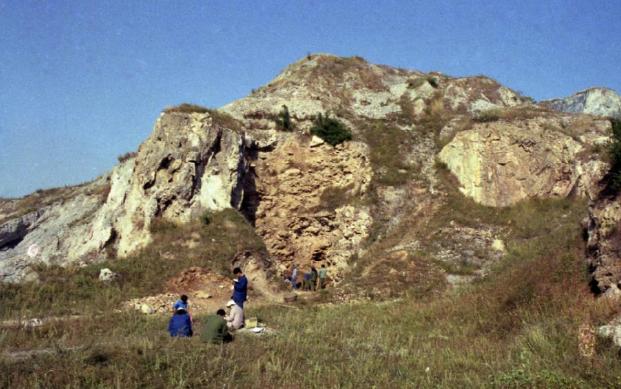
x=83 y=81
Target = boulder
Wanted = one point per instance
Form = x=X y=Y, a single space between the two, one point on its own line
x=146 y=309
x=107 y=275
x=611 y=331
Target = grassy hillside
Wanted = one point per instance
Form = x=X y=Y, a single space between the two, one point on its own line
x=519 y=327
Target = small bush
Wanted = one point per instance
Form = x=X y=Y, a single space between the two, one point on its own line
x=331 y=130
x=187 y=108
x=614 y=153
x=283 y=120
x=206 y=218
x=124 y=157
x=433 y=81
x=491 y=115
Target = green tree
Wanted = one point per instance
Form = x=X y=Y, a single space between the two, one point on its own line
x=331 y=130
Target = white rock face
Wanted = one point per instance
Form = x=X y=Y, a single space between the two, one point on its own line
x=595 y=101
x=189 y=164
x=500 y=163
x=107 y=275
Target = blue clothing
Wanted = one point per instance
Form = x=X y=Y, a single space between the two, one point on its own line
x=180 y=304
x=240 y=291
x=294 y=278
x=180 y=325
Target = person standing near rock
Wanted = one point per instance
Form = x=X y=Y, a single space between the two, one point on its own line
x=323 y=274
x=240 y=287
x=294 y=277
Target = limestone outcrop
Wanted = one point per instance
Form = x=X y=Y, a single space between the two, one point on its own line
x=595 y=101
x=306 y=191
x=352 y=86
x=189 y=164
x=502 y=162
x=604 y=245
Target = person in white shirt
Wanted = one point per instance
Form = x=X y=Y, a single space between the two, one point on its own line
x=235 y=316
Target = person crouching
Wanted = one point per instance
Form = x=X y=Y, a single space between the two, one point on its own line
x=215 y=330
x=235 y=317
x=180 y=324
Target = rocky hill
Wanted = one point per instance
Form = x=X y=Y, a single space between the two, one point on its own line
x=379 y=210
x=596 y=101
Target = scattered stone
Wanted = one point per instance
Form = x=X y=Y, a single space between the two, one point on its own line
x=107 y=275
x=316 y=141
x=201 y=294
x=291 y=298
x=611 y=331
x=147 y=309
x=499 y=245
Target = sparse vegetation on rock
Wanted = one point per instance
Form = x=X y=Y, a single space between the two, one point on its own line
x=614 y=152
x=331 y=130
x=283 y=120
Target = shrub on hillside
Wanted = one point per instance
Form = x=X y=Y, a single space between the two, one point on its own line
x=283 y=120
x=124 y=157
x=614 y=152
x=331 y=130
x=187 y=108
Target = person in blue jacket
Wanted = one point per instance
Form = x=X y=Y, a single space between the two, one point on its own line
x=180 y=324
x=181 y=303
x=240 y=287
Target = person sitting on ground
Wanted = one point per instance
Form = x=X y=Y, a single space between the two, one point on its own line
x=235 y=317
x=240 y=287
x=181 y=303
x=215 y=330
x=180 y=324
x=323 y=274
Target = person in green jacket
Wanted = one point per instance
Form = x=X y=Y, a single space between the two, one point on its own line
x=215 y=330
x=323 y=274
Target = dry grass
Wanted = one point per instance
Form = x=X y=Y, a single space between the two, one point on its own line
x=219 y=117
x=510 y=114
x=75 y=290
x=388 y=145
x=186 y=108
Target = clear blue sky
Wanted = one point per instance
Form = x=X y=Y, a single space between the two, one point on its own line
x=83 y=81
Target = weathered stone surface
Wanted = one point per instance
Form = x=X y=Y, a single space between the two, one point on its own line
x=51 y=235
x=13 y=231
x=604 y=245
x=291 y=217
x=611 y=331
x=107 y=275
x=596 y=101
x=190 y=163
x=500 y=163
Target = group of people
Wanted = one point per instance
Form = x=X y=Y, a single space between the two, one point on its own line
x=311 y=280
x=218 y=327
